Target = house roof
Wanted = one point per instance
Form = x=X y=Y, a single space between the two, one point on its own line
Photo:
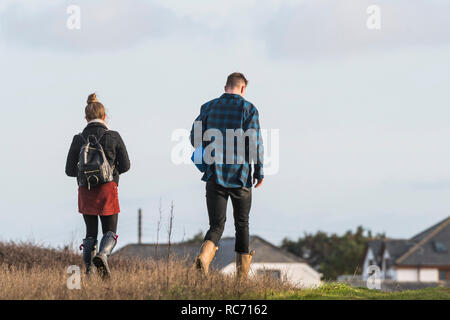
x=159 y=251
x=424 y=252
x=420 y=236
x=397 y=247
x=376 y=247
x=418 y=250
x=265 y=252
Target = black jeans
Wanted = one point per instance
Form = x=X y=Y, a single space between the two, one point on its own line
x=216 y=201
x=109 y=223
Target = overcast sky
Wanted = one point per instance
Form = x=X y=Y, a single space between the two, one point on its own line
x=363 y=115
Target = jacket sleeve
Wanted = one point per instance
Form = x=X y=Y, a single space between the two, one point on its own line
x=198 y=126
x=253 y=128
x=72 y=157
x=122 y=160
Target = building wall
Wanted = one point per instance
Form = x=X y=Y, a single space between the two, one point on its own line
x=390 y=274
x=417 y=274
x=410 y=275
x=429 y=275
x=299 y=274
x=369 y=257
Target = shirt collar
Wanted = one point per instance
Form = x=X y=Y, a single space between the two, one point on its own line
x=99 y=121
x=231 y=96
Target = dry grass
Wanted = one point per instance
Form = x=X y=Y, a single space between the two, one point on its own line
x=30 y=272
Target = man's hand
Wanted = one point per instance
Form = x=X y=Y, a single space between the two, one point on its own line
x=258 y=182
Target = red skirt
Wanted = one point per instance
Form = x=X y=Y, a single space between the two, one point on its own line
x=101 y=201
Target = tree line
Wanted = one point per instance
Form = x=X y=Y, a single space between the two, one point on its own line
x=332 y=254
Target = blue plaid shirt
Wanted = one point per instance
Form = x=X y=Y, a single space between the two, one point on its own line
x=231 y=111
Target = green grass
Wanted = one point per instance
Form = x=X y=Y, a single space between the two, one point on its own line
x=339 y=291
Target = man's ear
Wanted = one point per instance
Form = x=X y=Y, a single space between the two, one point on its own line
x=243 y=89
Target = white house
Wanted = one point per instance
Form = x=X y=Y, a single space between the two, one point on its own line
x=422 y=258
x=268 y=259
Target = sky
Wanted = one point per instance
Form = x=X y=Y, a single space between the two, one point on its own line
x=362 y=114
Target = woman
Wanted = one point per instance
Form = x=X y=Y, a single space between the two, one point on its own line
x=101 y=200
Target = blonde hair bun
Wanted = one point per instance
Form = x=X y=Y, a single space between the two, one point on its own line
x=92 y=98
x=94 y=108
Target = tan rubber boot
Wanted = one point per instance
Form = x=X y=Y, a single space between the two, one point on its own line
x=207 y=253
x=243 y=262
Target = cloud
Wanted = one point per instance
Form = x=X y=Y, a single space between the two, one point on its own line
x=329 y=27
x=431 y=184
x=293 y=29
x=105 y=25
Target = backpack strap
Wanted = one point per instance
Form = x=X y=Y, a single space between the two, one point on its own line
x=101 y=136
x=96 y=138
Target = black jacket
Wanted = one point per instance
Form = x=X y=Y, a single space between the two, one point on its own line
x=112 y=144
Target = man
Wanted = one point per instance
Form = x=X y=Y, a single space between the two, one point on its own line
x=228 y=167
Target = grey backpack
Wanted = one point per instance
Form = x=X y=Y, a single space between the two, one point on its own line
x=93 y=167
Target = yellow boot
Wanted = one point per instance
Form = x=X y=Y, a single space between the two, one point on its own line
x=207 y=253
x=243 y=262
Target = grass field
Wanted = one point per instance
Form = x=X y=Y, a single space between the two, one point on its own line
x=32 y=272
x=339 y=291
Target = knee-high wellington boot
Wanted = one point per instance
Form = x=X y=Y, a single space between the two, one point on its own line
x=206 y=255
x=100 y=260
x=89 y=250
x=243 y=262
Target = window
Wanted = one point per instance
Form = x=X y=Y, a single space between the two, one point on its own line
x=439 y=247
x=444 y=275
x=269 y=273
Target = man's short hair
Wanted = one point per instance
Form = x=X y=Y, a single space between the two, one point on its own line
x=236 y=79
